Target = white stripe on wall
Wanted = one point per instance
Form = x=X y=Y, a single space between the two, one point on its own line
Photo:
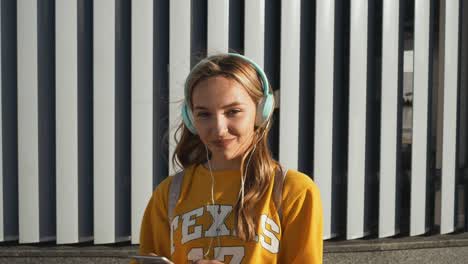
x=357 y=119
x=179 y=64
x=420 y=117
x=289 y=83
x=104 y=121
x=323 y=134
x=389 y=117
x=28 y=148
x=142 y=111
x=67 y=120
x=449 y=159
x=254 y=31
x=218 y=26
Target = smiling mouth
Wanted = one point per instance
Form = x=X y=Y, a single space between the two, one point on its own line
x=223 y=143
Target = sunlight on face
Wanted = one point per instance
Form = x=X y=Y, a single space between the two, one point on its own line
x=224 y=115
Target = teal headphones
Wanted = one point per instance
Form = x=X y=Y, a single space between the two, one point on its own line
x=264 y=109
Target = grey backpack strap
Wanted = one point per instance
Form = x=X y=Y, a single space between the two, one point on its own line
x=174 y=193
x=278 y=189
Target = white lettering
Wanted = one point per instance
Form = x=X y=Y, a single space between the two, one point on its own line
x=219 y=214
x=237 y=254
x=195 y=254
x=174 y=224
x=273 y=246
x=187 y=222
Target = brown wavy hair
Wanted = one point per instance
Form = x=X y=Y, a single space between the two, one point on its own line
x=261 y=169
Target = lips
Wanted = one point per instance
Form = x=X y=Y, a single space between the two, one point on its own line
x=223 y=143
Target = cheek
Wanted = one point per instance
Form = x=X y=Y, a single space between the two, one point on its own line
x=245 y=129
x=202 y=134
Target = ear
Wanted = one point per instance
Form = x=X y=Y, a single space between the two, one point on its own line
x=187 y=118
x=264 y=109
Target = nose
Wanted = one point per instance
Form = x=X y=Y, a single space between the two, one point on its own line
x=220 y=126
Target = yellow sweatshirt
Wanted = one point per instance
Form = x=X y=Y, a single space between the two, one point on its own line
x=197 y=224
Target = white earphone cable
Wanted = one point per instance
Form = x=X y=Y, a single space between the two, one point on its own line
x=242 y=190
x=212 y=199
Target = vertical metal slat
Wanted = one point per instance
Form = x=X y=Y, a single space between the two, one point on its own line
x=67 y=121
x=254 y=32
x=28 y=160
x=324 y=78
x=142 y=111
x=390 y=120
x=449 y=159
x=289 y=83
x=419 y=156
x=357 y=119
x=179 y=64
x=104 y=121
x=218 y=26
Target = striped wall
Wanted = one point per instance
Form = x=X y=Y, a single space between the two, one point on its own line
x=372 y=105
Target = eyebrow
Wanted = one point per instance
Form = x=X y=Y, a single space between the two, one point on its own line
x=197 y=107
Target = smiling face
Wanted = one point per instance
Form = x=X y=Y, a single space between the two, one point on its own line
x=224 y=116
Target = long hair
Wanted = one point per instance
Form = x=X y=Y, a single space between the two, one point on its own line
x=190 y=150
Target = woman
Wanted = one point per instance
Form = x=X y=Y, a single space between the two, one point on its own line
x=232 y=202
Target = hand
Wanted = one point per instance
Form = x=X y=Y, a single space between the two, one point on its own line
x=207 y=261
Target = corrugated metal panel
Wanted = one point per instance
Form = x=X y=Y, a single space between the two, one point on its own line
x=67 y=121
x=218 y=26
x=179 y=63
x=289 y=83
x=254 y=33
x=450 y=139
x=421 y=106
x=36 y=133
x=104 y=121
x=111 y=122
x=357 y=119
x=28 y=160
x=97 y=62
x=324 y=78
x=390 y=168
x=142 y=110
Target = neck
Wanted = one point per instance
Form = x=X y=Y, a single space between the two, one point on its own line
x=218 y=164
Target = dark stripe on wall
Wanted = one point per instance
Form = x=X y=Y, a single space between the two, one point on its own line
x=46 y=117
x=340 y=117
x=122 y=117
x=372 y=148
x=307 y=88
x=9 y=118
x=161 y=91
x=272 y=62
x=198 y=31
x=85 y=118
x=236 y=26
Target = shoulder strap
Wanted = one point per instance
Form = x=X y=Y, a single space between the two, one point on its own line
x=278 y=189
x=174 y=193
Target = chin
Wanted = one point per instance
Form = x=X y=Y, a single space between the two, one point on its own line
x=227 y=156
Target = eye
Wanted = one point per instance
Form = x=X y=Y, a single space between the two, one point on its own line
x=233 y=112
x=202 y=114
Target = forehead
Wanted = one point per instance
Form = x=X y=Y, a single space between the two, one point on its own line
x=219 y=91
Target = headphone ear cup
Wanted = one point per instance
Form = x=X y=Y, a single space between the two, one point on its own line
x=187 y=118
x=265 y=109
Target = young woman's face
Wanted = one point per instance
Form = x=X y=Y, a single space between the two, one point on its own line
x=224 y=116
